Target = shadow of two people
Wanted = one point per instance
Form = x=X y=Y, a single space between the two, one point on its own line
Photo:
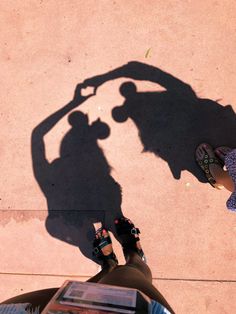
x=78 y=185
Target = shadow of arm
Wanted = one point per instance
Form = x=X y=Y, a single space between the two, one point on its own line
x=40 y=163
x=41 y=166
x=141 y=71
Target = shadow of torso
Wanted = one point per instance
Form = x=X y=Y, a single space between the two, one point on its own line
x=78 y=185
x=80 y=178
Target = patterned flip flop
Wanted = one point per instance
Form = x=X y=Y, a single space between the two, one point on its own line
x=204 y=165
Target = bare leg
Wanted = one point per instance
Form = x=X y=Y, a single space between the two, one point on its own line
x=38 y=299
x=130 y=276
x=134 y=260
x=101 y=274
x=222 y=177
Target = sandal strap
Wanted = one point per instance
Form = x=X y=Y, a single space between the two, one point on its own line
x=211 y=160
x=99 y=244
x=126 y=228
x=204 y=165
x=207 y=160
x=99 y=231
x=104 y=242
x=135 y=231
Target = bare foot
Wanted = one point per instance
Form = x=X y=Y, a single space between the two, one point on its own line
x=222 y=151
x=103 y=247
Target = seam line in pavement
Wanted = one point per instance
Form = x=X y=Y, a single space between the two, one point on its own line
x=46 y=210
x=156 y=278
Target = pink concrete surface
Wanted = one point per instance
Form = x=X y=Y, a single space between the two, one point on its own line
x=47 y=48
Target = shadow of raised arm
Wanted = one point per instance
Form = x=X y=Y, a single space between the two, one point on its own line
x=39 y=160
x=141 y=71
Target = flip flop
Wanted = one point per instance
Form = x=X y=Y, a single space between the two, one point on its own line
x=205 y=163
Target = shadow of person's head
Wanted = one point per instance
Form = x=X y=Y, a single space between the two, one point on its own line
x=82 y=134
x=121 y=113
x=77 y=119
x=128 y=89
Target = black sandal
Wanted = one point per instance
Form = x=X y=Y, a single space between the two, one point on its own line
x=127 y=234
x=99 y=243
x=204 y=165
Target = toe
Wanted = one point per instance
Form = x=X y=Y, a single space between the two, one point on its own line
x=200 y=152
x=209 y=150
x=105 y=233
x=222 y=151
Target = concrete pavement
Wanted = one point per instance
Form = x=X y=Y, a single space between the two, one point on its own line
x=188 y=235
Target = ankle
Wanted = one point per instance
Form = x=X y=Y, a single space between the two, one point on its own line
x=109 y=265
x=217 y=172
x=222 y=177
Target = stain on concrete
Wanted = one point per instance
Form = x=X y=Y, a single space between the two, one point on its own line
x=20 y=216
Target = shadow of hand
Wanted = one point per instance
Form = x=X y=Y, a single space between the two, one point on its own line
x=82 y=93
